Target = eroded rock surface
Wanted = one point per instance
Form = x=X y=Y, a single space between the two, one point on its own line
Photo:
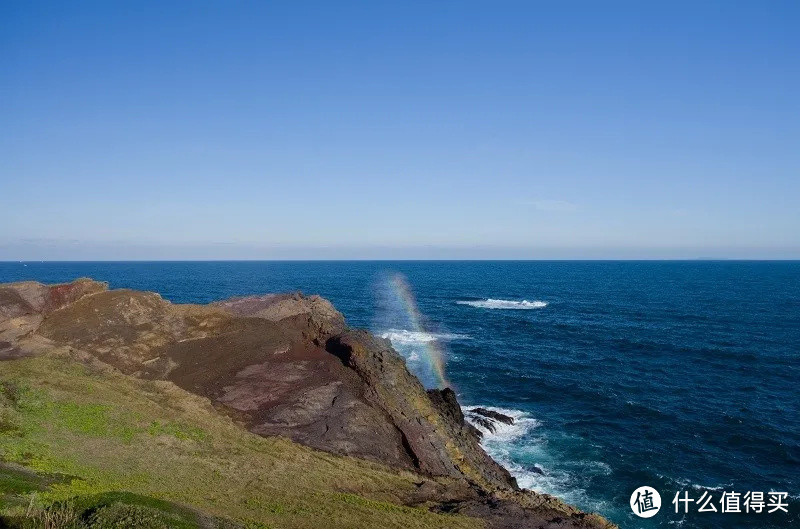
x=285 y=365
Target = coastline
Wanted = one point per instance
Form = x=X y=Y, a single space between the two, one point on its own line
x=331 y=388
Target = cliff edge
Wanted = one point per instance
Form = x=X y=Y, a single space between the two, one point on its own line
x=284 y=365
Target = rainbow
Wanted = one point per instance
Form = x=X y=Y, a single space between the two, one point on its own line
x=434 y=354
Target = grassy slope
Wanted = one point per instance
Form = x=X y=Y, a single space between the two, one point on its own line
x=104 y=432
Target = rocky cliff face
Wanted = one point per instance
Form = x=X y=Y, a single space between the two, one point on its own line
x=283 y=365
x=435 y=435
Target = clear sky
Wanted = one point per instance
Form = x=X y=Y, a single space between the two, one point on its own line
x=558 y=129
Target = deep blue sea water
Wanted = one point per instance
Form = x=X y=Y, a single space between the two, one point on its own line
x=676 y=375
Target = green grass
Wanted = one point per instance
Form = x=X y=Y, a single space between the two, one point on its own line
x=13 y=482
x=177 y=430
x=17 y=486
x=89 y=434
x=114 y=511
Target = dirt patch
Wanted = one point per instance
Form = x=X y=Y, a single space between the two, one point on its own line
x=10 y=352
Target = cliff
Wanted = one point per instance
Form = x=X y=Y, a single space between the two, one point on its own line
x=284 y=366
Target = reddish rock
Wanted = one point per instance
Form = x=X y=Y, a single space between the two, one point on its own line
x=285 y=365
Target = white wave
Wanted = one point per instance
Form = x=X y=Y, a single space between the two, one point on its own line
x=684 y=483
x=500 y=444
x=510 y=444
x=523 y=423
x=403 y=336
x=413 y=357
x=504 y=304
x=711 y=488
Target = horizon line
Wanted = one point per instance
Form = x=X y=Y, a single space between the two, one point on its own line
x=611 y=259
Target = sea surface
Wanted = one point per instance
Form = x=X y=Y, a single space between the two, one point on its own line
x=682 y=376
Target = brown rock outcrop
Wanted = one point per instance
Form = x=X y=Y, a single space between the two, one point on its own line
x=29 y=297
x=284 y=365
x=315 y=313
x=436 y=436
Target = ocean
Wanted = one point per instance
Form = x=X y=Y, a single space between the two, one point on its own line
x=682 y=376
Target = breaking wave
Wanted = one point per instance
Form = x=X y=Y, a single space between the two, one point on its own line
x=503 y=444
x=403 y=336
x=523 y=423
x=420 y=349
x=504 y=304
x=522 y=448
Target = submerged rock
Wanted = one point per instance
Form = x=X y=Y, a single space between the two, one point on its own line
x=536 y=469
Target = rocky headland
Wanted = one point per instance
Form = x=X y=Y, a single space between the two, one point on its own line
x=286 y=365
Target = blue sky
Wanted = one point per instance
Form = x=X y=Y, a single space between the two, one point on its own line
x=203 y=130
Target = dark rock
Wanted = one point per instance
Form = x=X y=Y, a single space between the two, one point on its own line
x=525 y=509
x=484 y=422
x=536 y=469
x=442 y=444
x=497 y=416
x=447 y=404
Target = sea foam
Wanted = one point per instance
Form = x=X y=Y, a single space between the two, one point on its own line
x=523 y=423
x=502 y=443
x=504 y=304
x=523 y=450
x=403 y=336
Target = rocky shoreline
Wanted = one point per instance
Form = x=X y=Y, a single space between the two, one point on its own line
x=287 y=365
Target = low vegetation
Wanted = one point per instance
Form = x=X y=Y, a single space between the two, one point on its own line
x=87 y=448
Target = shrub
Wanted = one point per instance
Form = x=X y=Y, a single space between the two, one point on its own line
x=59 y=515
x=9 y=422
x=8 y=399
x=125 y=516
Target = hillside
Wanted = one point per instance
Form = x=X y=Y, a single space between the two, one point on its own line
x=257 y=412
